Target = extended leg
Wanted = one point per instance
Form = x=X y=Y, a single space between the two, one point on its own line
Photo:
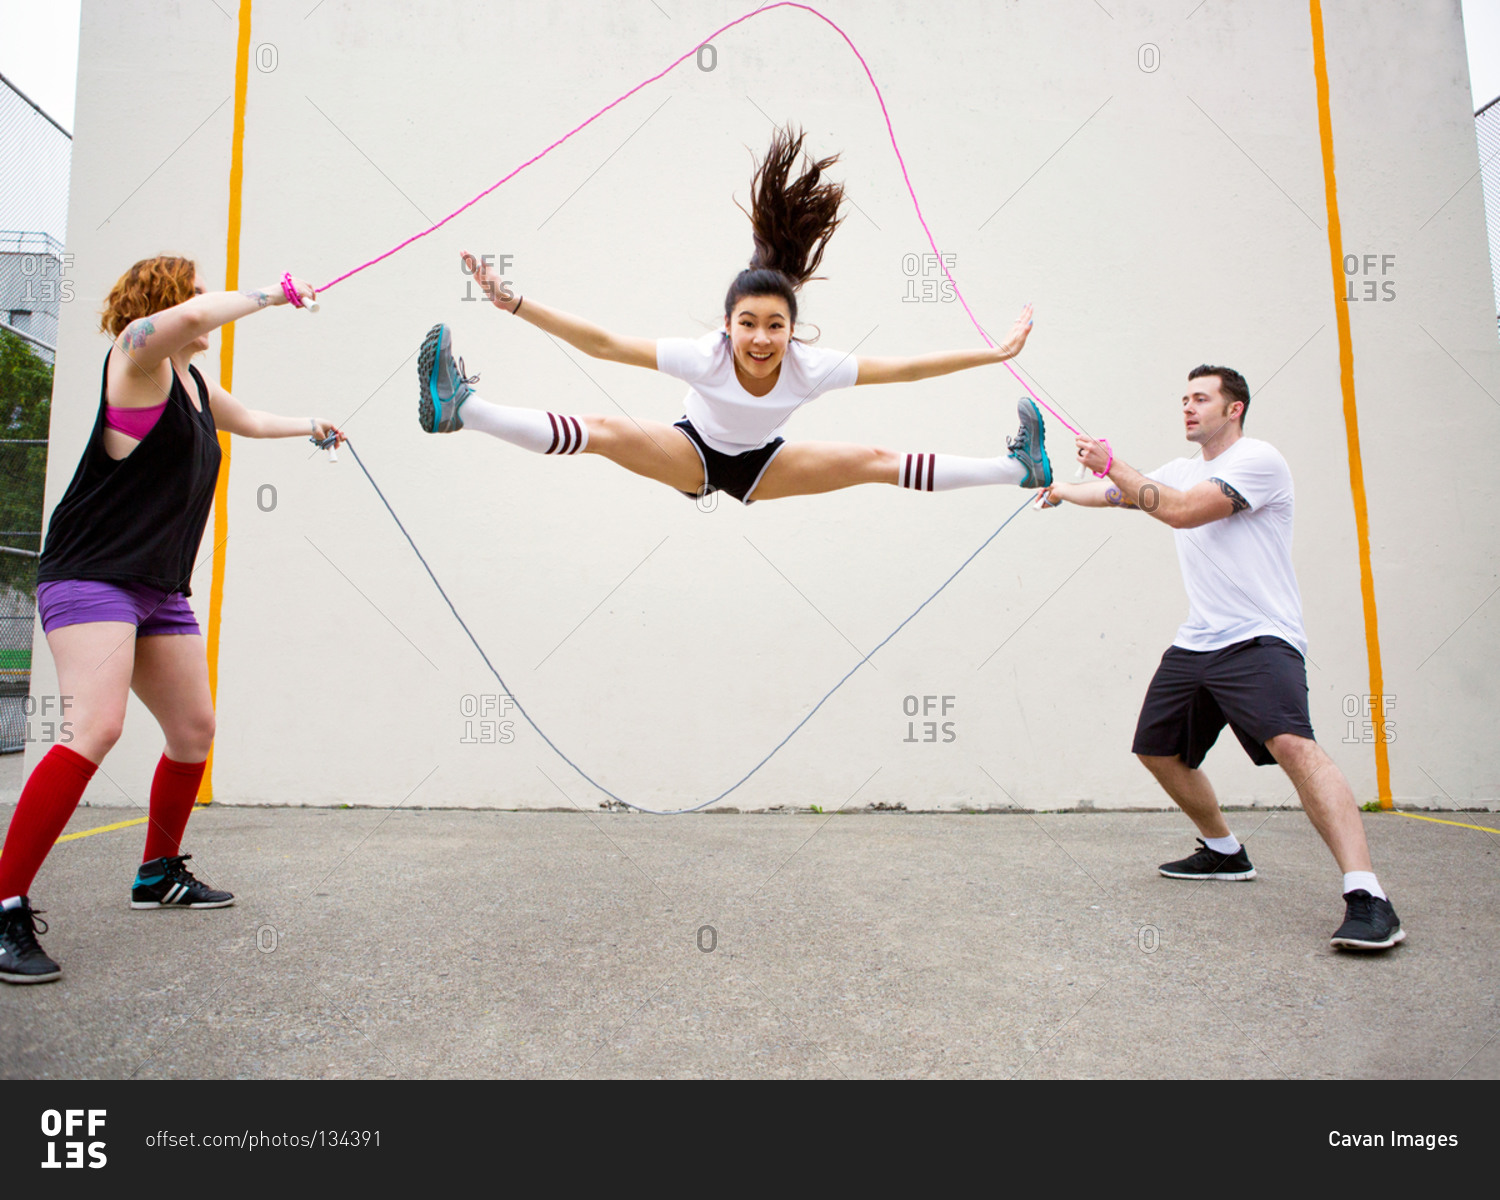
x=1326 y=798
x=1190 y=791
x=807 y=468
x=171 y=678
x=93 y=673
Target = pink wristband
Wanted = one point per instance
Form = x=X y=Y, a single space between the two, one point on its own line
x=1104 y=474
x=290 y=289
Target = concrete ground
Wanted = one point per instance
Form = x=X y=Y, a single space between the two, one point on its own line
x=415 y=944
x=488 y=944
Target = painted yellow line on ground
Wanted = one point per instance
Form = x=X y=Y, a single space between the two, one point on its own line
x=1351 y=414
x=1439 y=821
x=83 y=833
x=226 y=378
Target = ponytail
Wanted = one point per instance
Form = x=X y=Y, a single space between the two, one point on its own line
x=791 y=220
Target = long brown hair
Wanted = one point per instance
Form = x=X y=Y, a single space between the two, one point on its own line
x=791 y=220
x=150 y=286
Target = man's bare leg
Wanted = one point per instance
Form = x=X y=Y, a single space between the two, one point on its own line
x=1190 y=791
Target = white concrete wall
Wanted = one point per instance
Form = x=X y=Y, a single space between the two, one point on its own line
x=1156 y=219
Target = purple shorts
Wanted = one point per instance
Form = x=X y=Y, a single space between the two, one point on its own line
x=82 y=601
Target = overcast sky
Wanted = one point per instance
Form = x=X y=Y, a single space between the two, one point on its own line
x=39 y=52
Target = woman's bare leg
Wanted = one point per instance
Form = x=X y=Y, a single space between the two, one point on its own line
x=171 y=678
x=94 y=664
x=657 y=451
x=807 y=468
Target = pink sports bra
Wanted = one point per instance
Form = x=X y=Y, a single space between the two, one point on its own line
x=133 y=422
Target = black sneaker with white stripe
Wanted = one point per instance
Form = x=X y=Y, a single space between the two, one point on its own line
x=22 y=959
x=166 y=883
x=1210 y=864
x=1370 y=923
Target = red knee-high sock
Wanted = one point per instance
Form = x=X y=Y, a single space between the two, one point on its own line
x=174 y=787
x=46 y=803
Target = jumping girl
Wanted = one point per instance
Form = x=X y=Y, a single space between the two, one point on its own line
x=113 y=583
x=745 y=382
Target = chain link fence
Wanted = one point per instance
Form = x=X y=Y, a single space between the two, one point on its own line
x=35 y=161
x=1487 y=132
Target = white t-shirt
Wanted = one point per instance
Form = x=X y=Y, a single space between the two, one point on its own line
x=728 y=417
x=1238 y=570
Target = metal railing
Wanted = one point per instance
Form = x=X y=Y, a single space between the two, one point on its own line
x=1487 y=133
x=35 y=163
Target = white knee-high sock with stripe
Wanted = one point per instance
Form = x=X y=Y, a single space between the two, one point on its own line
x=944 y=472
x=529 y=428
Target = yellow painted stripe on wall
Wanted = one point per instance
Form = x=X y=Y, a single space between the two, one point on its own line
x=226 y=378
x=1351 y=415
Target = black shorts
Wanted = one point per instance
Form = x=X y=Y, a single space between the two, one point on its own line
x=1257 y=687
x=736 y=474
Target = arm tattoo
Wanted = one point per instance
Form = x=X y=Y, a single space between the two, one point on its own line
x=260 y=298
x=1239 y=502
x=1116 y=497
x=137 y=332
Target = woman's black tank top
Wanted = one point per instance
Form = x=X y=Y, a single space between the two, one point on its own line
x=139 y=519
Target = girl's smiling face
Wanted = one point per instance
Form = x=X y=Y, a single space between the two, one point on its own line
x=759 y=333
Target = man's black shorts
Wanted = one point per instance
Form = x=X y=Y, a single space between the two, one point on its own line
x=1258 y=687
x=737 y=474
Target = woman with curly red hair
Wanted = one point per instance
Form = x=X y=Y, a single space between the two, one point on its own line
x=113 y=583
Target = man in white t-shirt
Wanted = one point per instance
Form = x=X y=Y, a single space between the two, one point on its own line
x=1238 y=659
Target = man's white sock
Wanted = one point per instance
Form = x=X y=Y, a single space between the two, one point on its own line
x=1223 y=845
x=1354 y=880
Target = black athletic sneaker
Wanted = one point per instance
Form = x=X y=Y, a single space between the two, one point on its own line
x=22 y=960
x=1210 y=864
x=166 y=883
x=1369 y=923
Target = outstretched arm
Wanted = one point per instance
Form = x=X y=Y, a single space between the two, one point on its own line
x=578 y=333
x=925 y=366
x=1125 y=487
x=232 y=416
x=150 y=341
x=1096 y=493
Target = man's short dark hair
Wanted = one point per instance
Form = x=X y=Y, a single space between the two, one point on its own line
x=1231 y=384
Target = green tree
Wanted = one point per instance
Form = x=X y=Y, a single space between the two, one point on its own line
x=25 y=414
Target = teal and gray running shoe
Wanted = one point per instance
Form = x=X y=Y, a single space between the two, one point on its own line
x=443 y=385
x=1029 y=446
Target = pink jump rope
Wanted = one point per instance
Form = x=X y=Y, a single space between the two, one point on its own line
x=298 y=301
